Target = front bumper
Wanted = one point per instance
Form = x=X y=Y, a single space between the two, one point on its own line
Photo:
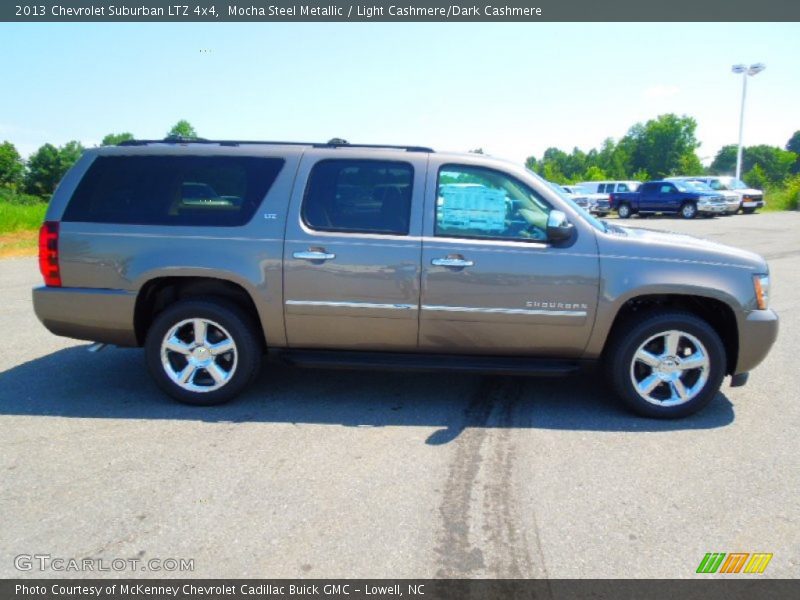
x=714 y=209
x=601 y=207
x=87 y=314
x=757 y=333
x=756 y=203
x=732 y=206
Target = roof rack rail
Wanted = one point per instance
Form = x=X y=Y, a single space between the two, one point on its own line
x=334 y=143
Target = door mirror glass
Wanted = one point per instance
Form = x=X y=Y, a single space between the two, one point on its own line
x=558 y=227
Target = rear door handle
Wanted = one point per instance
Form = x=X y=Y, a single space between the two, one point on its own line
x=314 y=255
x=452 y=262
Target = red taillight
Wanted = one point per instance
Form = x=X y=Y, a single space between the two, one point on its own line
x=48 y=254
x=611 y=199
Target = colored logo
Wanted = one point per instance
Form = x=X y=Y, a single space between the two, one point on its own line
x=735 y=562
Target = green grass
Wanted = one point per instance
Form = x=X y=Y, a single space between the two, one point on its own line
x=21 y=217
x=785 y=197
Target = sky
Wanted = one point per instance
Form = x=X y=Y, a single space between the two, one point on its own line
x=512 y=89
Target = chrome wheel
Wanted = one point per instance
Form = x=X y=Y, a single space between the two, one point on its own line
x=624 y=211
x=689 y=210
x=199 y=355
x=670 y=368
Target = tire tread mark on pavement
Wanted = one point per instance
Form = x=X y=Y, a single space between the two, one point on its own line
x=480 y=532
x=511 y=553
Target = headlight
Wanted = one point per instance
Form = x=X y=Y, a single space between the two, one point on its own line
x=761 y=286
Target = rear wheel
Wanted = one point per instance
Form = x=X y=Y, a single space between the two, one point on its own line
x=624 y=211
x=202 y=352
x=689 y=210
x=667 y=365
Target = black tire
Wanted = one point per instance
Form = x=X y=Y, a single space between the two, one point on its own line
x=748 y=211
x=636 y=331
x=624 y=211
x=688 y=210
x=242 y=330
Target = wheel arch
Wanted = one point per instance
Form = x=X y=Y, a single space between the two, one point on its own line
x=157 y=293
x=717 y=313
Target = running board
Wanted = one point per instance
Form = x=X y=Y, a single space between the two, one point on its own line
x=497 y=365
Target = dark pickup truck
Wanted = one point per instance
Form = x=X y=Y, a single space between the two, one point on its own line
x=667 y=197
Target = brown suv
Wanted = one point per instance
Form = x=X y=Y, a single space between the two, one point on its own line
x=211 y=254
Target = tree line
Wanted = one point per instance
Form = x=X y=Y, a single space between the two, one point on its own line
x=39 y=175
x=664 y=146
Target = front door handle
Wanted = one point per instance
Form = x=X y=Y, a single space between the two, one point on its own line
x=452 y=262
x=314 y=255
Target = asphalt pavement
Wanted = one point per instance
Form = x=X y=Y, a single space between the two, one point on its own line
x=317 y=473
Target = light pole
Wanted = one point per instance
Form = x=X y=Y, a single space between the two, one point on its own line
x=746 y=72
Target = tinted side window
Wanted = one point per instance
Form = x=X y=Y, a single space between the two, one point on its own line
x=666 y=188
x=173 y=190
x=474 y=202
x=359 y=196
x=622 y=187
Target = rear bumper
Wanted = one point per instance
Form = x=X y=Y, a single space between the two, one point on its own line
x=757 y=334
x=87 y=314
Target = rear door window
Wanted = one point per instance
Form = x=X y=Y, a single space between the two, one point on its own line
x=359 y=196
x=173 y=190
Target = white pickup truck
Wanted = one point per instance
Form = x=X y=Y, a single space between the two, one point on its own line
x=599 y=192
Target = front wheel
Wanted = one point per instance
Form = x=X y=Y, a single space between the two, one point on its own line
x=667 y=365
x=202 y=352
x=689 y=210
x=624 y=211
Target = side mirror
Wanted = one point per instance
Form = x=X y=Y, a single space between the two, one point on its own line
x=558 y=227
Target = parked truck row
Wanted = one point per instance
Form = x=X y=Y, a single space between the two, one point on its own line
x=687 y=196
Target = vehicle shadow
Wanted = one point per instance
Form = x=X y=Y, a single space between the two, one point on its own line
x=114 y=384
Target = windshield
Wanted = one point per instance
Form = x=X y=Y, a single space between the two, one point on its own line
x=683 y=186
x=699 y=186
x=594 y=221
x=728 y=183
x=716 y=184
x=737 y=184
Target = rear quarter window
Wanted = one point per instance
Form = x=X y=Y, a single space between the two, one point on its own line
x=173 y=190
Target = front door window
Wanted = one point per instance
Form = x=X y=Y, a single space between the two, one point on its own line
x=475 y=202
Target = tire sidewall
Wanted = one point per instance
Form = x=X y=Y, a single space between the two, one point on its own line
x=652 y=325
x=238 y=325
x=624 y=211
